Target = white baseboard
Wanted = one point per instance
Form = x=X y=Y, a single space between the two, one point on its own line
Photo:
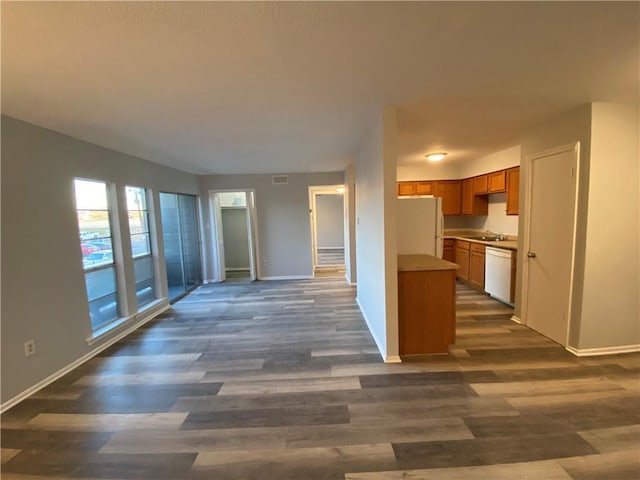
x=288 y=277
x=517 y=319
x=330 y=248
x=590 y=352
x=351 y=284
x=381 y=349
x=144 y=317
x=393 y=359
x=238 y=269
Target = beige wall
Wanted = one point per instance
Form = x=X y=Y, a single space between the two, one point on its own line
x=376 y=253
x=611 y=308
x=350 y=223
x=566 y=128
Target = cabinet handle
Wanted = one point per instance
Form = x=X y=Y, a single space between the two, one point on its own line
x=531 y=254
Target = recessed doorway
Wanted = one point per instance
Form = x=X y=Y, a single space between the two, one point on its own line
x=327 y=227
x=234 y=235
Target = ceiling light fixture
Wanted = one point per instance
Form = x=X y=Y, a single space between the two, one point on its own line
x=436 y=157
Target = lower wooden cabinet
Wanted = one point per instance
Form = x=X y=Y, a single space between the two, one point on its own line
x=462 y=259
x=449 y=250
x=476 y=265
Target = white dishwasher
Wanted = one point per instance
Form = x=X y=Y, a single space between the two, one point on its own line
x=497 y=273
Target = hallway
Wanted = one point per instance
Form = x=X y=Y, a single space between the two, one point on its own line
x=282 y=380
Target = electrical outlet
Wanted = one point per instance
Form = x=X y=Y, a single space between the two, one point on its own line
x=29 y=348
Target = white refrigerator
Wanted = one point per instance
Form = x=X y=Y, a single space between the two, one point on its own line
x=420 y=225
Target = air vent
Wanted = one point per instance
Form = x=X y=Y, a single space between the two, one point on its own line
x=280 y=179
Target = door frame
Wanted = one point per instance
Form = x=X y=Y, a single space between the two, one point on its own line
x=314 y=191
x=217 y=238
x=571 y=147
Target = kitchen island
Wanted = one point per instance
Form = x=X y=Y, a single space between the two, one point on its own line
x=426 y=304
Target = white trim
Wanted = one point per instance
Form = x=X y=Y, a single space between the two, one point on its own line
x=348 y=279
x=589 y=352
x=393 y=359
x=239 y=269
x=524 y=289
x=382 y=350
x=76 y=363
x=288 y=277
x=517 y=319
x=331 y=248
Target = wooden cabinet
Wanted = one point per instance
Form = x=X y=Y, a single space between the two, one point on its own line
x=473 y=204
x=449 y=250
x=481 y=184
x=476 y=265
x=513 y=190
x=462 y=259
x=450 y=191
x=426 y=311
x=424 y=188
x=497 y=181
x=421 y=187
x=406 y=188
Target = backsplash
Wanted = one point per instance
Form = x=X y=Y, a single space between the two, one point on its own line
x=496 y=221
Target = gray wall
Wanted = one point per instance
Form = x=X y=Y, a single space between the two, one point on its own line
x=43 y=296
x=283 y=224
x=235 y=235
x=329 y=221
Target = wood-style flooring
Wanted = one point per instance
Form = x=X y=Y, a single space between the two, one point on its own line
x=282 y=380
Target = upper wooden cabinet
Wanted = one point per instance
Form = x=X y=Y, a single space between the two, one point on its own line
x=497 y=181
x=473 y=204
x=513 y=190
x=406 y=188
x=481 y=184
x=450 y=191
x=424 y=188
x=421 y=187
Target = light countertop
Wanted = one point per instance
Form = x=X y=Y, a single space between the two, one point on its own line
x=510 y=244
x=423 y=263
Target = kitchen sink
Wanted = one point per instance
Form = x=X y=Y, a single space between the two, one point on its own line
x=485 y=238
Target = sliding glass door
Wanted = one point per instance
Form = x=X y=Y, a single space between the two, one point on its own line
x=181 y=243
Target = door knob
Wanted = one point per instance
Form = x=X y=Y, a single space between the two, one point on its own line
x=531 y=254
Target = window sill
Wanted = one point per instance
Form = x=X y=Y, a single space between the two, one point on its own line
x=111 y=328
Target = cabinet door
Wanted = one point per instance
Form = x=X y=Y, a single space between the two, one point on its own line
x=513 y=190
x=449 y=253
x=476 y=269
x=462 y=259
x=406 y=188
x=450 y=191
x=497 y=181
x=481 y=184
x=424 y=188
x=467 y=196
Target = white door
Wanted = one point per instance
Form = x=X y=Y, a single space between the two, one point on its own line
x=550 y=245
x=218 y=238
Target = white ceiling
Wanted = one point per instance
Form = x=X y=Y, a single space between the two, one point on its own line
x=245 y=87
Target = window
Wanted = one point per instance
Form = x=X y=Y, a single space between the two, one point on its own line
x=140 y=244
x=94 y=222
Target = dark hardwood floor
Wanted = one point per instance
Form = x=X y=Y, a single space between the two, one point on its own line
x=282 y=380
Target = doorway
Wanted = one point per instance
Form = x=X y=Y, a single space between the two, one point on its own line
x=181 y=243
x=549 y=245
x=327 y=227
x=234 y=235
